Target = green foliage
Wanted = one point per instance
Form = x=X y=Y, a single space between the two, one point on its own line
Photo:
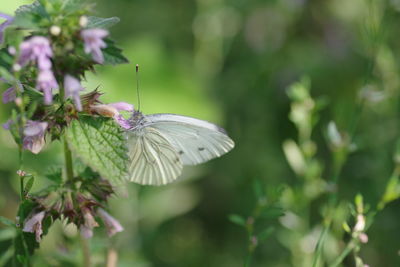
x=112 y=54
x=30 y=16
x=54 y=174
x=105 y=23
x=237 y=219
x=100 y=144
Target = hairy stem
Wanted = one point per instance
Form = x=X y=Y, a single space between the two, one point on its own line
x=69 y=169
x=85 y=252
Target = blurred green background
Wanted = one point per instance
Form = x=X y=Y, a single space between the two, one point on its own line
x=230 y=62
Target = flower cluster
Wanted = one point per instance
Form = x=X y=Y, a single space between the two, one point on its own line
x=37 y=49
x=80 y=209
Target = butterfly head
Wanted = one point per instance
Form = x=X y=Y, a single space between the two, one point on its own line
x=137 y=119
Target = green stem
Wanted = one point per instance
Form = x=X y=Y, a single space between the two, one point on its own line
x=69 y=169
x=85 y=252
x=247 y=263
x=350 y=246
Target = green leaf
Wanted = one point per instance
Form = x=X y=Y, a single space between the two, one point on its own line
x=273 y=212
x=54 y=174
x=30 y=16
x=100 y=144
x=237 y=219
x=113 y=55
x=266 y=233
x=258 y=189
x=6 y=60
x=105 y=23
x=29 y=185
x=5 y=74
x=6 y=221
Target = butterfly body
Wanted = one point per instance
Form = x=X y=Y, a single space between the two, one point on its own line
x=160 y=144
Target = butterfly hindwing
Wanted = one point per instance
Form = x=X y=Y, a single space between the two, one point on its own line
x=196 y=141
x=153 y=160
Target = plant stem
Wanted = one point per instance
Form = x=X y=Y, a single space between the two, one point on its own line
x=69 y=169
x=350 y=246
x=248 y=260
x=85 y=252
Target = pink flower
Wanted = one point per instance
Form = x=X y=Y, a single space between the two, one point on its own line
x=4 y=25
x=113 y=111
x=72 y=88
x=36 y=49
x=9 y=95
x=34 y=225
x=46 y=83
x=7 y=125
x=112 y=225
x=89 y=223
x=93 y=40
x=34 y=133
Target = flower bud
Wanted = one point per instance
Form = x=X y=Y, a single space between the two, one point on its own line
x=12 y=50
x=55 y=30
x=83 y=21
x=363 y=237
x=360 y=225
x=16 y=67
x=18 y=101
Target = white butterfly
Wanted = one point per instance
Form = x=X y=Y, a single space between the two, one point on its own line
x=160 y=144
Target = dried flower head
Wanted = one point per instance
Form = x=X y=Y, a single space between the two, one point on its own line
x=34 y=224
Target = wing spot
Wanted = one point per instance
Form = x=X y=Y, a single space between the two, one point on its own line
x=201 y=148
x=180 y=152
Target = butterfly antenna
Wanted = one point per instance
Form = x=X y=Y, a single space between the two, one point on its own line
x=137 y=85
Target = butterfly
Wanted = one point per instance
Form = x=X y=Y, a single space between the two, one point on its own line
x=161 y=144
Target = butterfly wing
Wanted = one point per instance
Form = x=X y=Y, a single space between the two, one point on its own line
x=153 y=160
x=196 y=141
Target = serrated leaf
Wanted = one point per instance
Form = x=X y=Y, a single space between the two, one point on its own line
x=30 y=16
x=100 y=144
x=6 y=221
x=237 y=219
x=113 y=55
x=54 y=174
x=104 y=23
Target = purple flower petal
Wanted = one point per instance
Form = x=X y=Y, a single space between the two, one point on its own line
x=7 y=125
x=4 y=25
x=124 y=123
x=34 y=133
x=9 y=95
x=93 y=40
x=72 y=88
x=86 y=232
x=122 y=106
x=46 y=83
x=37 y=49
x=112 y=225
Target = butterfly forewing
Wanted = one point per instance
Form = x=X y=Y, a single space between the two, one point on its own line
x=196 y=141
x=154 y=161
